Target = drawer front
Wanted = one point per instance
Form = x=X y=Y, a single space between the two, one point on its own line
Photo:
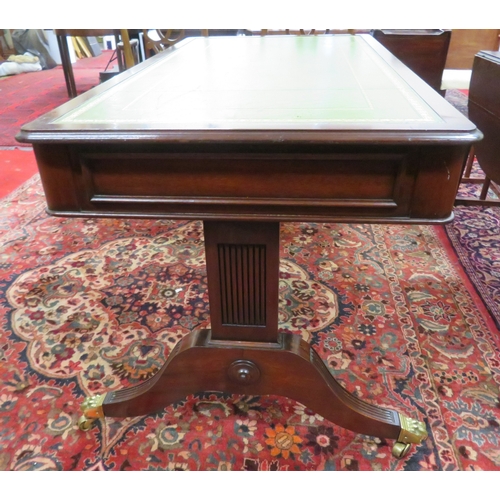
x=375 y=184
x=383 y=184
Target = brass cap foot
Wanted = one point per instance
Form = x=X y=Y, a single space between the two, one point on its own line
x=412 y=431
x=92 y=409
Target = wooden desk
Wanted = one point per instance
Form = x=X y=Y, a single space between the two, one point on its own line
x=246 y=132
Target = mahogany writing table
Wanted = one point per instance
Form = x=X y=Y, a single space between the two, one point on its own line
x=243 y=133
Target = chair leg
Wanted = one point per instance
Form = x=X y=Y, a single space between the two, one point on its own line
x=486 y=182
x=484 y=191
x=470 y=162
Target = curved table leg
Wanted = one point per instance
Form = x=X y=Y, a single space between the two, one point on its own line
x=289 y=368
x=243 y=352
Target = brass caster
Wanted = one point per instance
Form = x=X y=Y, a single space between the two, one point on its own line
x=412 y=431
x=92 y=409
x=400 y=450
x=85 y=423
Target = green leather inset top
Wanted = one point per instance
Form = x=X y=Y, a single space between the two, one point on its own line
x=273 y=82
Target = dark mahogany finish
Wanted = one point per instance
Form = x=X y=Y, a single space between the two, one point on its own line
x=309 y=149
x=289 y=368
x=423 y=51
x=243 y=276
x=484 y=110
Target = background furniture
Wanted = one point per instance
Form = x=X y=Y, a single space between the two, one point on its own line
x=62 y=42
x=6 y=45
x=160 y=39
x=423 y=51
x=484 y=111
x=465 y=44
x=157 y=40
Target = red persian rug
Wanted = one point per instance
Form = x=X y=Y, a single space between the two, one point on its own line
x=93 y=305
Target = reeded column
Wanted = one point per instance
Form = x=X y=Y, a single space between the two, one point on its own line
x=243 y=280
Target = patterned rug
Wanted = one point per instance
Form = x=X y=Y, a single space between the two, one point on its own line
x=475 y=233
x=92 y=305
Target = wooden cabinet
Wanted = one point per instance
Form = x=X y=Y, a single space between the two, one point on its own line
x=423 y=51
x=484 y=110
x=465 y=44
